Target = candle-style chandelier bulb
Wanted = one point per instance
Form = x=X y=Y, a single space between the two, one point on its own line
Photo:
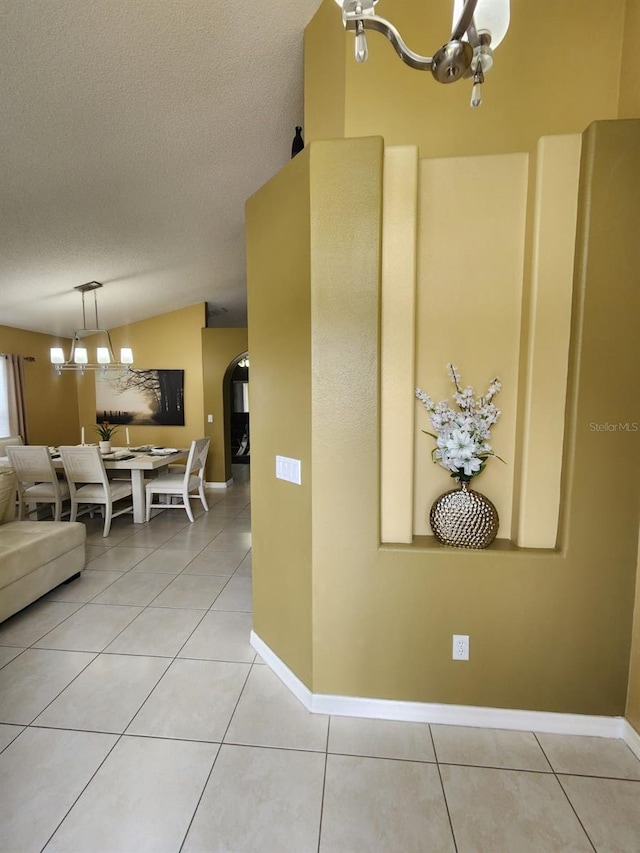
x=362 y=51
x=476 y=95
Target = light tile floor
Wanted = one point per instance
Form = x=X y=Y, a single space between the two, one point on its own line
x=135 y=716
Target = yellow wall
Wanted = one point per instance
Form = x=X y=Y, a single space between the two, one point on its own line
x=543 y=81
x=629 y=106
x=219 y=348
x=383 y=616
x=171 y=341
x=278 y=284
x=51 y=401
x=324 y=88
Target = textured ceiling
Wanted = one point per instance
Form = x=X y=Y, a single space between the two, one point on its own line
x=131 y=134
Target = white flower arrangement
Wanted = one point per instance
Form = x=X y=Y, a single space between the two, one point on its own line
x=462 y=437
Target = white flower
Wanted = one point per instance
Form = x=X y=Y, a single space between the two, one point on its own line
x=462 y=436
x=471 y=466
x=425 y=398
x=460 y=445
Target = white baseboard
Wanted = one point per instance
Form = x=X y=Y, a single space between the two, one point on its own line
x=452 y=715
x=632 y=738
x=288 y=678
x=223 y=485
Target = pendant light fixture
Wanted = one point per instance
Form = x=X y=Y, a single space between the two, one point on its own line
x=79 y=357
x=478 y=28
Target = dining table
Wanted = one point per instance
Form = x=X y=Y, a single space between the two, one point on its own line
x=132 y=460
x=136 y=462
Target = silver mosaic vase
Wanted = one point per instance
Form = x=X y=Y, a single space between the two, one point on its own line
x=464 y=518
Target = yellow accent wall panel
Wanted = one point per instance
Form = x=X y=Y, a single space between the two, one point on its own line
x=51 y=401
x=399 y=224
x=469 y=295
x=279 y=313
x=549 y=318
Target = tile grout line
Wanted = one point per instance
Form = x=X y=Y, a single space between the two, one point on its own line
x=566 y=796
x=324 y=782
x=75 y=677
x=444 y=793
x=84 y=788
x=204 y=787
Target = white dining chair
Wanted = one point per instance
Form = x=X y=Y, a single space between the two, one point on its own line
x=89 y=484
x=182 y=484
x=37 y=478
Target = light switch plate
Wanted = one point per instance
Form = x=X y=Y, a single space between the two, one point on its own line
x=288 y=469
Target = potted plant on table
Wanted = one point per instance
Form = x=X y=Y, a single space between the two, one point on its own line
x=463 y=517
x=105 y=431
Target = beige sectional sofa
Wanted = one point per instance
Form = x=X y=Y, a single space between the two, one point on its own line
x=35 y=556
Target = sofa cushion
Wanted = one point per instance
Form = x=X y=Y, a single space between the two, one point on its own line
x=27 y=545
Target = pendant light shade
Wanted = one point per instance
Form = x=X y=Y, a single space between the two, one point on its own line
x=490 y=15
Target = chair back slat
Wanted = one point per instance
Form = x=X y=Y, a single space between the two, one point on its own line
x=198 y=455
x=32 y=463
x=83 y=465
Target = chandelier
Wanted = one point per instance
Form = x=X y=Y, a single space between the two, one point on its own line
x=79 y=358
x=478 y=28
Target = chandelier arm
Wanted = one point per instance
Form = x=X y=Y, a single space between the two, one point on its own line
x=472 y=35
x=380 y=25
x=465 y=20
x=112 y=355
x=354 y=20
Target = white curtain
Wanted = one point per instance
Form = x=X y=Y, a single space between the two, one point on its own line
x=4 y=398
x=12 y=402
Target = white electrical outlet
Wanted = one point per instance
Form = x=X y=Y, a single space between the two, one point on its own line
x=460 y=647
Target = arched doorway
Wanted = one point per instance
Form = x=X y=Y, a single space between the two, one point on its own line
x=236 y=397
